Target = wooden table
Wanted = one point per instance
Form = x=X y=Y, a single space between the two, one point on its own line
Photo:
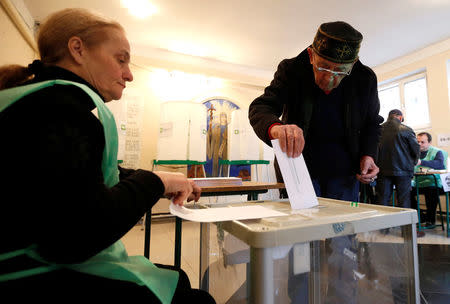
x=251 y=189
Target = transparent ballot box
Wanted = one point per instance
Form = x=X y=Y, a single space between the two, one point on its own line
x=336 y=252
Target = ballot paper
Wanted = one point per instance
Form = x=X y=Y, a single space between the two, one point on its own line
x=223 y=213
x=296 y=178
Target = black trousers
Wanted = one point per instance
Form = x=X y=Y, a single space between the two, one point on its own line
x=402 y=186
x=431 y=199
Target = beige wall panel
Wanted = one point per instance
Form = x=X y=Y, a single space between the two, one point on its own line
x=14 y=50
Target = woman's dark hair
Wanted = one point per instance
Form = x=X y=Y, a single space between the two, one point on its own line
x=427 y=134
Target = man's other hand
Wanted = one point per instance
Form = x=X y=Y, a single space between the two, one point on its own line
x=369 y=170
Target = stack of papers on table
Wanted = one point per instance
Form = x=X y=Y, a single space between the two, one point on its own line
x=217 y=181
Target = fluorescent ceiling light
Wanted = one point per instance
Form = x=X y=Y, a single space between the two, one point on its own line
x=139 y=8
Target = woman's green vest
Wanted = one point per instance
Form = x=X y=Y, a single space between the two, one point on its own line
x=113 y=262
x=429 y=181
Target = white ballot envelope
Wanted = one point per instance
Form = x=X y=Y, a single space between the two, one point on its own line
x=296 y=178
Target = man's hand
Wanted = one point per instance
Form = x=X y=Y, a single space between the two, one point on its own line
x=196 y=192
x=178 y=188
x=369 y=170
x=290 y=138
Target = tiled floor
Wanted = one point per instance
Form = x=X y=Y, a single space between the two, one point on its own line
x=433 y=252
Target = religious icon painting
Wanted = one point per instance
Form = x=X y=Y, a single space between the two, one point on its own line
x=218 y=118
x=217 y=121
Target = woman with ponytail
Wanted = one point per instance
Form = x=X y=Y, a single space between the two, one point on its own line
x=65 y=203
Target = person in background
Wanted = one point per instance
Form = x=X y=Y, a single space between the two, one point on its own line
x=66 y=204
x=328 y=104
x=398 y=153
x=430 y=158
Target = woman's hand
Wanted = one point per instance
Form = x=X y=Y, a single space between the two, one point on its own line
x=178 y=188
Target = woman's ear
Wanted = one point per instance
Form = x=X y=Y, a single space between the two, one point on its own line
x=76 y=49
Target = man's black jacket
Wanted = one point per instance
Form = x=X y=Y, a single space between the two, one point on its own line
x=292 y=95
x=398 y=150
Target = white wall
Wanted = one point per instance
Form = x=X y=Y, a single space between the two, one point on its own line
x=14 y=49
x=145 y=79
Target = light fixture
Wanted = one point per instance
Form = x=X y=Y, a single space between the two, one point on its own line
x=139 y=8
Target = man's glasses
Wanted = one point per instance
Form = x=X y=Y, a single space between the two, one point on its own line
x=334 y=73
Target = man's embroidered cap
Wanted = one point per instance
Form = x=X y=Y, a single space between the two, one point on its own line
x=337 y=41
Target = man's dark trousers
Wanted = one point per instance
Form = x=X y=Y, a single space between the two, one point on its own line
x=402 y=186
